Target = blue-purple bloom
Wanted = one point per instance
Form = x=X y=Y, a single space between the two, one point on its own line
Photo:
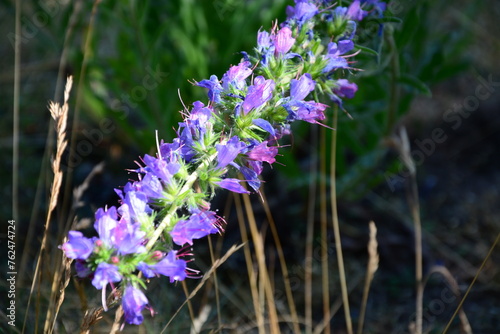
x=198 y=225
x=214 y=88
x=302 y=12
x=283 y=41
x=226 y=153
x=236 y=76
x=232 y=185
x=77 y=246
x=258 y=94
x=335 y=50
x=133 y=302
x=104 y=274
x=171 y=267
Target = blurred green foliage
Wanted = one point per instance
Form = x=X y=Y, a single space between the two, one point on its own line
x=402 y=55
x=145 y=54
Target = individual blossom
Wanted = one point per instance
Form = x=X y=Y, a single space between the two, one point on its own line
x=258 y=94
x=283 y=41
x=298 y=109
x=302 y=12
x=236 y=75
x=77 y=246
x=233 y=185
x=343 y=89
x=226 y=153
x=171 y=267
x=334 y=56
x=133 y=302
x=214 y=88
x=198 y=225
x=262 y=152
x=354 y=11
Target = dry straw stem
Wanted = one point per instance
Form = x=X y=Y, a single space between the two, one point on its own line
x=282 y=260
x=459 y=307
x=464 y=322
x=373 y=261
x=402 y=144
x=60 y=115
x=252 y=275
x=264 y=280
x=336 y=227
x=215 y=265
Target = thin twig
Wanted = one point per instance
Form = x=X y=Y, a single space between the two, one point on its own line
x=373 y=260
x=325 y=281
x=15 y=120
x=472 y=283
x=336 y=227
x=261 y=262
x=282 y=260
x=207 y=275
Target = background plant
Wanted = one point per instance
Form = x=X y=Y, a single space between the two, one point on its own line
x=426 y=22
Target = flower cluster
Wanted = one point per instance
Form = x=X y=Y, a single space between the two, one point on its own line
x=234 y=133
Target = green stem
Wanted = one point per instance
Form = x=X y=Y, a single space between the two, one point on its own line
x=168 y=217
x=395 y=90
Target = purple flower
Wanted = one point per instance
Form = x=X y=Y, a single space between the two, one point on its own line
x=161 y=168
x=105 y=222
x=147 y=270
x=262 y=152
x=302 y=11
x=311 y=112
x=378 y=5
x=171 y=267
x=226 y=153
x=344 y=89
x=283 y=41
x=236 y=76
x=104 y=274
x=264 y=125
x=82 y=270
x=258 y=94
x=128 y=238
x=200 y=115
x=78 y=246
x=251 y=177
x=334 y=55
x=198 y=225
x=299 y=89
x=151 y=186
x=133 y=302
x=134 y=205
x=263 y=40
x=354 y=11
x=232 y=185
x=214 y=88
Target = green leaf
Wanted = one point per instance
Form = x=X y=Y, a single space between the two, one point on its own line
x=414 y=82
x=365 y=49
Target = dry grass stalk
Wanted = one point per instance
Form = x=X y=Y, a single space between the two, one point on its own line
x=215 y=265
x=402 y=144
x=264 y=279
x=282 y=260
x=336 y=226
x=60 y=115
x=373 y=261
x=459 y=307
x=445 y=273
x=252 y=275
